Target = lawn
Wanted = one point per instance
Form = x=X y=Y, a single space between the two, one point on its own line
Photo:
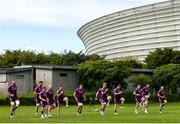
x=25 y=114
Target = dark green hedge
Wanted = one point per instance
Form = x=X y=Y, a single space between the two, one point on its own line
x=29 y=99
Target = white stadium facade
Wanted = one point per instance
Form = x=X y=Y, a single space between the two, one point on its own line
x=134 y=32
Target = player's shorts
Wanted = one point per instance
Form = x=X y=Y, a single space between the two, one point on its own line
x=162 y=100
x=14 y=102
x=138 y=99
x=103 y=100
x=80 y=101
x=44 y=103
x=145 y=98
x=37 y=101
x=51 y=102
x=59 y=101
x=118 y=99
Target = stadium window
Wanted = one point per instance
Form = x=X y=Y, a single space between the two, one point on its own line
x=19 y=76
x=3 y=78
x=63 y=74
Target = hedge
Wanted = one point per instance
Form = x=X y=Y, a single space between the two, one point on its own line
x=29 y=99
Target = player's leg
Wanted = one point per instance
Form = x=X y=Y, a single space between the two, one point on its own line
x=37 y=106
x=66 y=101
x=146 y=106
x=49 y=110
x=115 y=108
x=115 y=104
x=122 y=102
x=58 y=109
x=108 y=100
x=136 y=107
x=46 y=111
x=42 y=112
x=12 y=104
x=17 y=102
x=142 y=102
x=103 y=107
x=162 y=104
x=78 y=109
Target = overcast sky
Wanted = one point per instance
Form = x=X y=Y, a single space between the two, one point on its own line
x=51 y=25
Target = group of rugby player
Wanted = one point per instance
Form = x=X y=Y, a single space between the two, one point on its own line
x=44 y=98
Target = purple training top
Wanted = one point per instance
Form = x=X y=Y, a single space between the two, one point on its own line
x=161 y=93
x=162 y=97
x=59 y=99
x=138 y=91
x=118 y=90
x=102 y=93
x=61 y=93
x=145 y=91
x=79 y=92
x=50 y=96
x=43 y=95
x=38 y=89
x=13 y=90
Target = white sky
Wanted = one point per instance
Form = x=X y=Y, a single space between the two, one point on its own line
x=52 y=21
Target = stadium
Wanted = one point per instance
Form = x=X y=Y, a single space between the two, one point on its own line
x=133 y=32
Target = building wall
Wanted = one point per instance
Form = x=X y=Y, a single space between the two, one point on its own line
x=44 y=75
x=134 y=32
x=3 y=84
x=23 y=80
x=68 y=78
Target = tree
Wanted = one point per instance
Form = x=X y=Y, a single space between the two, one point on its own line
x=131 y=61
x=139 y=79
x=94 y=73
x=162 y=57
x=167 y=75
x=19 y=57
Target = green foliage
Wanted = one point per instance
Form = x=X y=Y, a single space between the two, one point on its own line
x=19 y=57
x=162 y=57
x=167 y=75
x=131 y=61
x=139 y=79
x=94 y=73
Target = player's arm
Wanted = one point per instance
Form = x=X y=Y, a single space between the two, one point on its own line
x=105 y=92
x=35 y=92
x=117 y=93
x=134 y=93
x=60 y=93
x=57 y=94
x=41 y=98
x=74 y=94
x=9 y=94
x=97 y=94
x=84 y=97
x=158 y=94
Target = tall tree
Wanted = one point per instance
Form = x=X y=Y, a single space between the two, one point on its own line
x=162 y=57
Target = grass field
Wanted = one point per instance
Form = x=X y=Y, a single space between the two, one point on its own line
x=26 y=114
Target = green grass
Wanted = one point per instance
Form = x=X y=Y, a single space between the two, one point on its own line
x=26 y=114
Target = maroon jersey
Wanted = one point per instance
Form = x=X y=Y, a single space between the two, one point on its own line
x=38 y=89
x=145 y=91
x=139 y=92
x=161 y=93
x=50 y=94
x=103 y=93
x=12 y=90
x=118 y=90
x=79 y=92
x=43 y=94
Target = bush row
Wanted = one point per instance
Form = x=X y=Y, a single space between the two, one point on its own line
x=29 y=99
